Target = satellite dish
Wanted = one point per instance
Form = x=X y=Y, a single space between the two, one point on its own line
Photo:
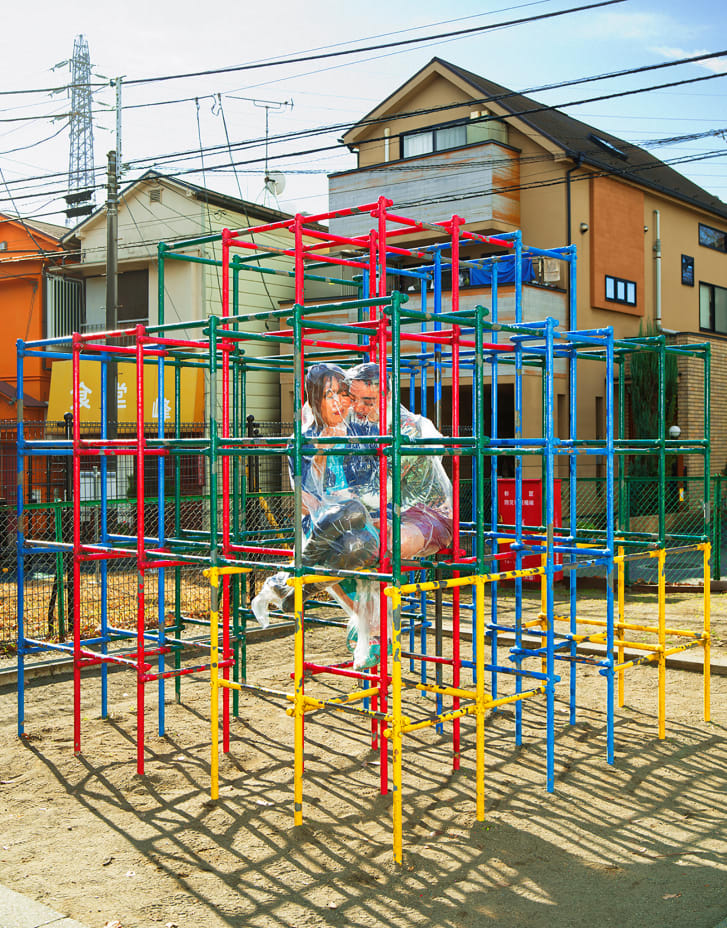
x=275 y=183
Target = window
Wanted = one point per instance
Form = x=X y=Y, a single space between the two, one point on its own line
x=713 y=308
x=687 y=270
x=620 y=291
x=418 y=143
x=712 y=238
x=133 y=297
x=454 y=135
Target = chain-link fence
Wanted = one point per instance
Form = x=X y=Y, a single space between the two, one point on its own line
x=263 y=516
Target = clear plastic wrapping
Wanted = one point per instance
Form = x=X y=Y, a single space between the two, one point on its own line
x=341 y=498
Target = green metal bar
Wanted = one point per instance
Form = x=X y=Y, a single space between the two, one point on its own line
x=717 y=540
x=178 y=620
x=707 y=424
x=238 y=584
x=60 y=575
x=661 y=415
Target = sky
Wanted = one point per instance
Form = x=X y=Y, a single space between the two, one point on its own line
x=138 y=40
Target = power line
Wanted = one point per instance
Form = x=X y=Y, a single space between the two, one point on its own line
x=370 y=48
x=298 y=59
x=431 y=110
x=549 y=182
x=185 y=155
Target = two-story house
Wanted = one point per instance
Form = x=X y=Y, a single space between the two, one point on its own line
x=651 y=245
x=156 y=209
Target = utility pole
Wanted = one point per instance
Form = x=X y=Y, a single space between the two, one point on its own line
x=117 y=84
x=112 y=283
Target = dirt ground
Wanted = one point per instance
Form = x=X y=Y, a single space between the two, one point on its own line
x=641 y=843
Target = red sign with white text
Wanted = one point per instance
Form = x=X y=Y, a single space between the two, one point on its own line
x=532 y=516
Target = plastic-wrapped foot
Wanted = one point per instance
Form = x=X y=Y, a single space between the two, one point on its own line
x=364 y=658
x=272 y=594
x=310 y=591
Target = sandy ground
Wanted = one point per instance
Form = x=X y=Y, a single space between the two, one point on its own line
x=642 y=843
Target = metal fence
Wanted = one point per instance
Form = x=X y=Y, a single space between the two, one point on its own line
x=266 y=517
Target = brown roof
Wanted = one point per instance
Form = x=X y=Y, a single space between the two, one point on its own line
x=579 y=141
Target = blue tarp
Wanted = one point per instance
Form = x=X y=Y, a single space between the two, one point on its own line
x=482 y=277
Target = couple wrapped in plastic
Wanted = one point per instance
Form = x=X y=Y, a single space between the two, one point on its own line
x=341 y=509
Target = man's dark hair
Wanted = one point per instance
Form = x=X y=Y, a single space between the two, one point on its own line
x=368 y=372
x=316 y=382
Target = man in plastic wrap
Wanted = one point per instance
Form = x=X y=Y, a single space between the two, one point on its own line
x=426 y=490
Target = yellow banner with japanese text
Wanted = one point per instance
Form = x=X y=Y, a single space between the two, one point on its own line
x=60 y=400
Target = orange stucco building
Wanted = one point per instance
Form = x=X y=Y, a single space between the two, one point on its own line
x=26 y=251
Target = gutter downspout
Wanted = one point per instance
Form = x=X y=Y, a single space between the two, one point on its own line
x=657 y=270
x=657 y=277
x=577 y=159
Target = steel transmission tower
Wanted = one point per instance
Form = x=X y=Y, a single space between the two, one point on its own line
x=81 y=179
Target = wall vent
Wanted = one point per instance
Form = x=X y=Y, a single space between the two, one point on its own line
x=155 y=195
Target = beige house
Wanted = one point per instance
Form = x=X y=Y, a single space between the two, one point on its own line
x=651 y=245
x=157 y=209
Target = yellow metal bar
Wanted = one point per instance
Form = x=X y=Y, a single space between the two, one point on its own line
x=340 y=702
x=299 y=716
x=621 y=574
x=651 y=658
x=396 y=726
x=634 y=627
x=458 y=691
x=662 y=643
x=213 y=575
x=642 y=646
x=706 y=662
x=466 y=710
x=677 y=649
x=229 y=684
x=465 y=581
x=543 y=615
x=220 y=571
x=480 y=701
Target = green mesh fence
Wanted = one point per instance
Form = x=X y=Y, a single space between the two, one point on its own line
x=266 y=517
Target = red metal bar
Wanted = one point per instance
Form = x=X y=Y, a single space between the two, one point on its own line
x=176 y=343
x=456 y=657
x=487 y=239
x=155 y=565
x=103 y=555
x=385 y=561
x=183 y=671
x=116 y=333
x=119 y=452
x=340 y=672
x=306 y=250
x=348 y=211
x=429 y=658
x=251 y=549
x=312 y=327
x=225 y=347
x=140 y=609
x=76 y=480
x=334 y=346
x=122 y=349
